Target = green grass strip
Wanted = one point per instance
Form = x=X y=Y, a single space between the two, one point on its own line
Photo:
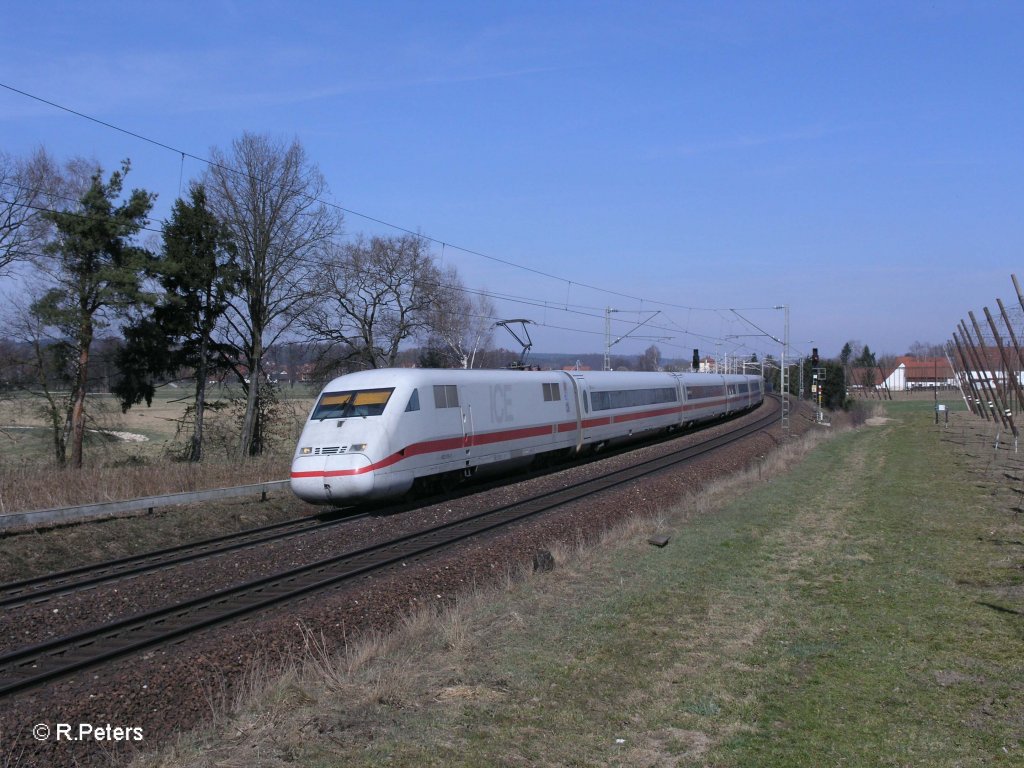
x=864 y=609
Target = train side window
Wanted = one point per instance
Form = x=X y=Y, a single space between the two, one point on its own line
x=414 y=402
x=607 y=400
x=440 y=400
x=446 y=396
x=551 y=391
x=586 y=403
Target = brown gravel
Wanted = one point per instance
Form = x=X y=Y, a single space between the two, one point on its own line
x=177 y=687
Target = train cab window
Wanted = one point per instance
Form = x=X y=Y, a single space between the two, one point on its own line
x=414 y=402
x=344 y=405
x=552 y=391
x=446 y=396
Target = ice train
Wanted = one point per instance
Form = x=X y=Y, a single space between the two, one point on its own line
x=376 y=434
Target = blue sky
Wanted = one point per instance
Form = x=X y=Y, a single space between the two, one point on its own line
x=861 y=162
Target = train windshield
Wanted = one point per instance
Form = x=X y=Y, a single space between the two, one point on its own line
x=357 y=402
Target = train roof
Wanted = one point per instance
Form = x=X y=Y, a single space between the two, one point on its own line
x=390 y=377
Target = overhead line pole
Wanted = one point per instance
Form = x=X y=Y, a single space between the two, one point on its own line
x=608 y=343
x=784 y=373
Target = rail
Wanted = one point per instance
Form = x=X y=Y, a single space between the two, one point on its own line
x=35 y=518
x=24 y=668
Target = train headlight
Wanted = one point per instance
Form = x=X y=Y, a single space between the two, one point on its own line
x=357 y=447
x=305 y=451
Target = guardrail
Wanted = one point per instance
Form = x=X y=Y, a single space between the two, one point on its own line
x=39 y=517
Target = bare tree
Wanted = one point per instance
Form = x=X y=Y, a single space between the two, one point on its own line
x=35 y=362
x=269 y=196
x=27 y=188
x=650 y=360
x=924 y=350
x=461 y=323
x=375 y=294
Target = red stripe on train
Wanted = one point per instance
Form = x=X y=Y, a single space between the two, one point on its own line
x=490 y=438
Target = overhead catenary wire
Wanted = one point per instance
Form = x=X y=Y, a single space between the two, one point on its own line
x=580 y=310
x=336 y=206
x=569 y=283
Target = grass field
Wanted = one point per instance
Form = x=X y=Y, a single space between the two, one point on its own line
x=133 y=454
x=144 y=431
x=863 y=608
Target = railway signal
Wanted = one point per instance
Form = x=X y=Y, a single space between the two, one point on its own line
x=818 y=386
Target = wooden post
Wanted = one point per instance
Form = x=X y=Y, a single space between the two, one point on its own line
x=972 y=366
x=958 y=375
x=1007 y=371
x=997 y=392
x=1016 y=346
x=974 y=395
x=986 y=393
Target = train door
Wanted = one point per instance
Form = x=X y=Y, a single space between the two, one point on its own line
x=468 y=427
x=681 y=397
x=582 y=408
x=577 y=405
x=451 y=420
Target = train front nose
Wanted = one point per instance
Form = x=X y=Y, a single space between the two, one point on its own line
x=332 y=479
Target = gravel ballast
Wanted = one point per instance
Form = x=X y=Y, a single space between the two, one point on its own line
x=176 y=687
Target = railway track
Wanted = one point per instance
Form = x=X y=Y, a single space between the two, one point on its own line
x=41 y=588
x=32 y=666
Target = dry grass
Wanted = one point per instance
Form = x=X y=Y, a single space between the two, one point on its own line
x=24 y=487
x=339 y=703
x=133 y=454
x=116 y=469
x=818 y=622
x=29 y=553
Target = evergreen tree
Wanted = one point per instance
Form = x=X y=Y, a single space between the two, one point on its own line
x=866 y=359
x=834 y=386
x=432 y=356
x=846 y=354
x=198 y=272
x=97 y=271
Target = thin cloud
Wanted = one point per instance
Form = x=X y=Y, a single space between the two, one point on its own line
x=749 y=141
x=290 y=96
x=181 y=82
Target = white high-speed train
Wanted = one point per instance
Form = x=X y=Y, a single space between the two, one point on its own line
x=373 y=434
